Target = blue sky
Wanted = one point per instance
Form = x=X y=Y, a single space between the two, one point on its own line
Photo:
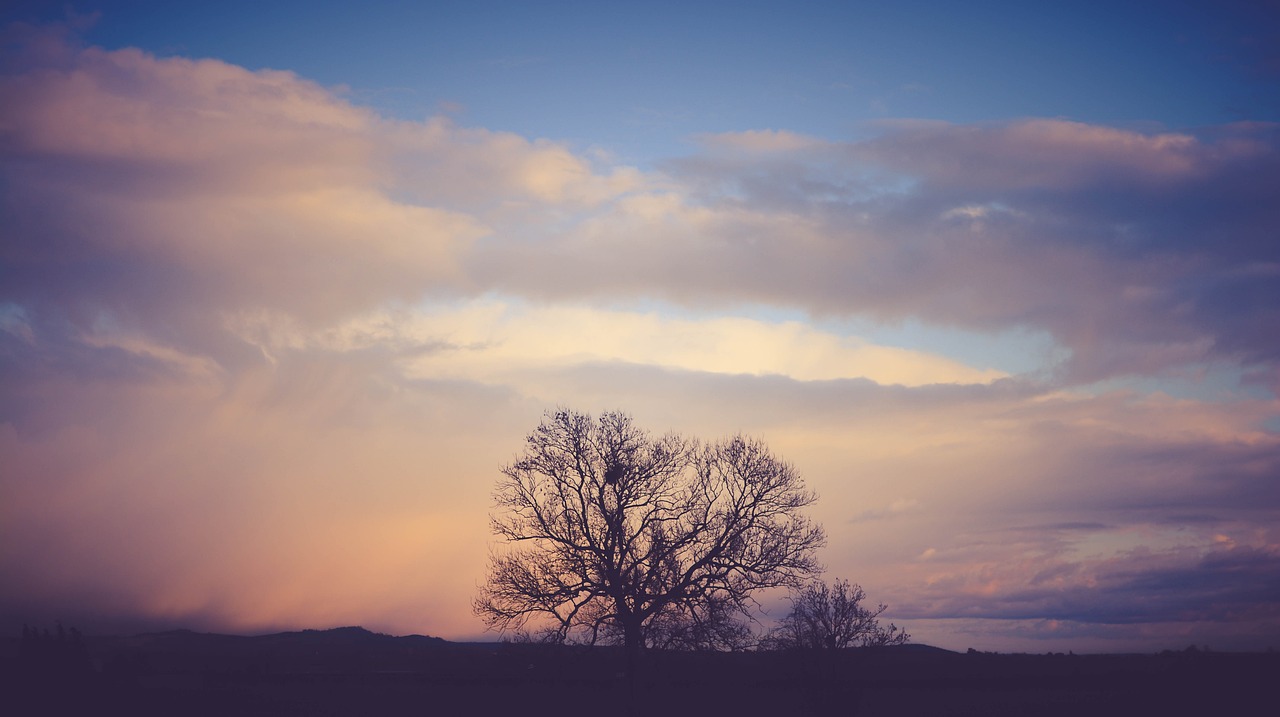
x=1000 y=279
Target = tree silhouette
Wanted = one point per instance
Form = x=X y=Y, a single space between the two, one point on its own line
x=616 y=536
x=833 y=618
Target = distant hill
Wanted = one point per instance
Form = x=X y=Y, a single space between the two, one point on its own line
x=340 y=649
x=920 y=647
x=353 y=633
x=350 y=636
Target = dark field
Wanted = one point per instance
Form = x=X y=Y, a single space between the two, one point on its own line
x=350 y=671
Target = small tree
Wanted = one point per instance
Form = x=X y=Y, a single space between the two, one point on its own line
x=615 y=536
x=833 y=618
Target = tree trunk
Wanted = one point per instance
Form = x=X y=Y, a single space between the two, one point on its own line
x=632 y=644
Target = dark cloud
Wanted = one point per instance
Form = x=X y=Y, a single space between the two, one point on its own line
x=1238 y=584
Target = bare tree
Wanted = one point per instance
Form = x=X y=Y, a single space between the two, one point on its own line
x=616 y=536
x=833 y=618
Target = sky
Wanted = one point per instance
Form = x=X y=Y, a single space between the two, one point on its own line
x=283 y=285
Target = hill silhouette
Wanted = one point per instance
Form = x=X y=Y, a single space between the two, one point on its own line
x=354 y=671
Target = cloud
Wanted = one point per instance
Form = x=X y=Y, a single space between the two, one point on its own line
x=482 y=170
x=1137 y=251
x=490 y=340
x=173 y=186
x=1036 y=154
x=761 y=141
x=899 y=506
x=1140 y=253
x=1235 y=584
